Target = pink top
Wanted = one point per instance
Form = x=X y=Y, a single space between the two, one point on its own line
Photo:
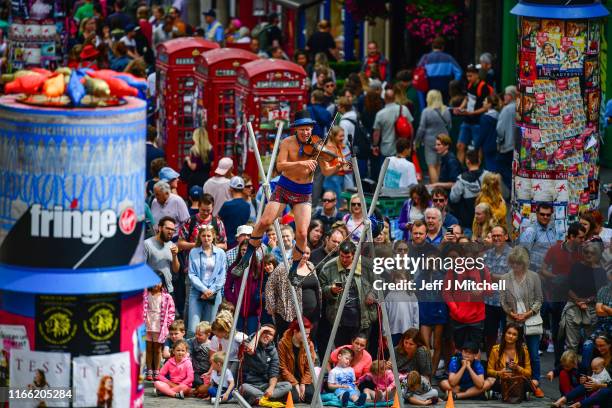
x=383 y=382
x=361 y=366
x=180 y=373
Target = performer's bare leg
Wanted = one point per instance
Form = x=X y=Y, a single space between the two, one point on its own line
x=272 y=211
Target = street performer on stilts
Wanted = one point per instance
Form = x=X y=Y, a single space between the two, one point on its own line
x=297 y=168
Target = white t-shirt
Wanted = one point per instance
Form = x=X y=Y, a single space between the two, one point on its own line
x=130 y=43
x=602 y=377
x=215 y=377
x=400 y=174
x=223 y=345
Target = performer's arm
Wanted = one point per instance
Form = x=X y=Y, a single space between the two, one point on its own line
x=282 y=163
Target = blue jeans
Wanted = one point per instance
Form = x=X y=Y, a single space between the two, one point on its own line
x=533 y=345
x=587 y=356
x=603 y=398
x=201 y=310
x=468 y=132
x=334 y=183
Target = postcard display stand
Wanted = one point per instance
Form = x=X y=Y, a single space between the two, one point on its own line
x=72 y=269
x=558 y=112
x=37 y=34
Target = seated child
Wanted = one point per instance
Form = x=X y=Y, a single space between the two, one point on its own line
x=221 y=328
x=175 y=333
x=214 y=390
x=378 y=384
x=568 y=373
x=199 y=350
x=418 y=390
x=600 y=376
x=342 y=380
x=466 y=374
x=180 y=371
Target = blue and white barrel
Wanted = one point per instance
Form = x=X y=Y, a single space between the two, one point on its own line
x=72 y=198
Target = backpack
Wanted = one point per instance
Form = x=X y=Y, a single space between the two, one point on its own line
x=464 y=209
x=361 y=139
x=419 y=79
x=403 y=127
x=481 y=85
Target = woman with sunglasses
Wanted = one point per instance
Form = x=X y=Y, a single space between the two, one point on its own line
x=207 y=268
x=249 y=196
x=579 y=314
x=354 y=219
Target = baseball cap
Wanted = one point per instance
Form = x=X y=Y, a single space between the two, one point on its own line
x=210 y=13
x=237 y=183
x=244 y=230
x=225 y=164
x=168 y=174
x=195 y=193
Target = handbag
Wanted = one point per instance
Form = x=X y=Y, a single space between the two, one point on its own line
x=513 y=389
x=534 y=325
x=403 y=127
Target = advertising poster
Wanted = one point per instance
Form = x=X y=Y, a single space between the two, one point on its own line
x=12 y=337
x=591 y=71
x=56 y=323
x=572 y=49
x=529 y=29
x=102 y=381
x=548 y=54
x=100 y=324
x=38 y=370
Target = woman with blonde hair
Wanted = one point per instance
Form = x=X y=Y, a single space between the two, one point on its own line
x=200 y=158
x=435 y=120
x=491 y=194
x=483 y=222
x=335 y=145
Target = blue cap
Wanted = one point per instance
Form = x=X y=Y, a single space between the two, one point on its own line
x=302 y=118
x=196 y=192
x=168 y=174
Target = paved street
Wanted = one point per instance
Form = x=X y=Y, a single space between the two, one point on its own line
x=551 y=390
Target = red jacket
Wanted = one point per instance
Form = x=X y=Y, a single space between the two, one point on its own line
x=466 y=306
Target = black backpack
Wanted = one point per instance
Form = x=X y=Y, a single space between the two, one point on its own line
x=361 y=139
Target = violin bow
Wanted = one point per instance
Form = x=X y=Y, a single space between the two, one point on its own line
x=326 y=137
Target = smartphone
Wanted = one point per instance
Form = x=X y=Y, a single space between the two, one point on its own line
x=338 y=284
x=449 y=230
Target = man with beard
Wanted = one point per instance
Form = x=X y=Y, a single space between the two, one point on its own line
x=161 y=254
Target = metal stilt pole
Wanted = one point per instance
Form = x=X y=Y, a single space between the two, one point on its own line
x=245 y=276
x=298 y=308
x=347 y=286
x=379 y=293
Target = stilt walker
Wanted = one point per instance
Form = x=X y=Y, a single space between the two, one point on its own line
x=297 y=160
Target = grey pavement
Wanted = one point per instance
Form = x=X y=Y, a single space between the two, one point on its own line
x=551 y=390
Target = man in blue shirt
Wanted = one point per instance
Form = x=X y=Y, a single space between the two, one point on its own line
x=450 y=168
x=441 y=68
x=236 y=211
x=539 y=237
x=466 y=375
x=213 y=30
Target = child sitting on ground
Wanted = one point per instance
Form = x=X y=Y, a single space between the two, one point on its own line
x=199 y=350
x=418 y=390
x=342 y=380
x=378 y=384
x=600 y=376
x=466 y=374
x=221 y=328
x=180 y=371
x=568 y=373
x=176 y=333
x=214 y=390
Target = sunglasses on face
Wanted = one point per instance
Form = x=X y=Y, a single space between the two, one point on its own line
x=328 y=200
x=438 y=200
x=356 y=204
x=544 y=214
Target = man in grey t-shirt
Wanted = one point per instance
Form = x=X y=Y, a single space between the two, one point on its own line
x=383 y=137
x=161 y=253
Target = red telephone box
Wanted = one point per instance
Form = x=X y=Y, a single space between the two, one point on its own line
x=269 y=91
x=176 y=102
x=216 y=91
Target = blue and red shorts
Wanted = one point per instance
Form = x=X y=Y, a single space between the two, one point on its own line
x=292 y=193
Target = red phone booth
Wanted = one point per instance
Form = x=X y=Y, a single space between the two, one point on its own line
x=176 y=101
x=216 y=89
x=269 y=91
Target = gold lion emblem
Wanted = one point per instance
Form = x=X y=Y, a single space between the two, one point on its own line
x=58 y=325
x=102 y=321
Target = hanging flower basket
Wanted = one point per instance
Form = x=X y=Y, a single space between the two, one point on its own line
x=427 y=19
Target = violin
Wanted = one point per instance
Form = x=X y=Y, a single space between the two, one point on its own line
x=315 y=148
